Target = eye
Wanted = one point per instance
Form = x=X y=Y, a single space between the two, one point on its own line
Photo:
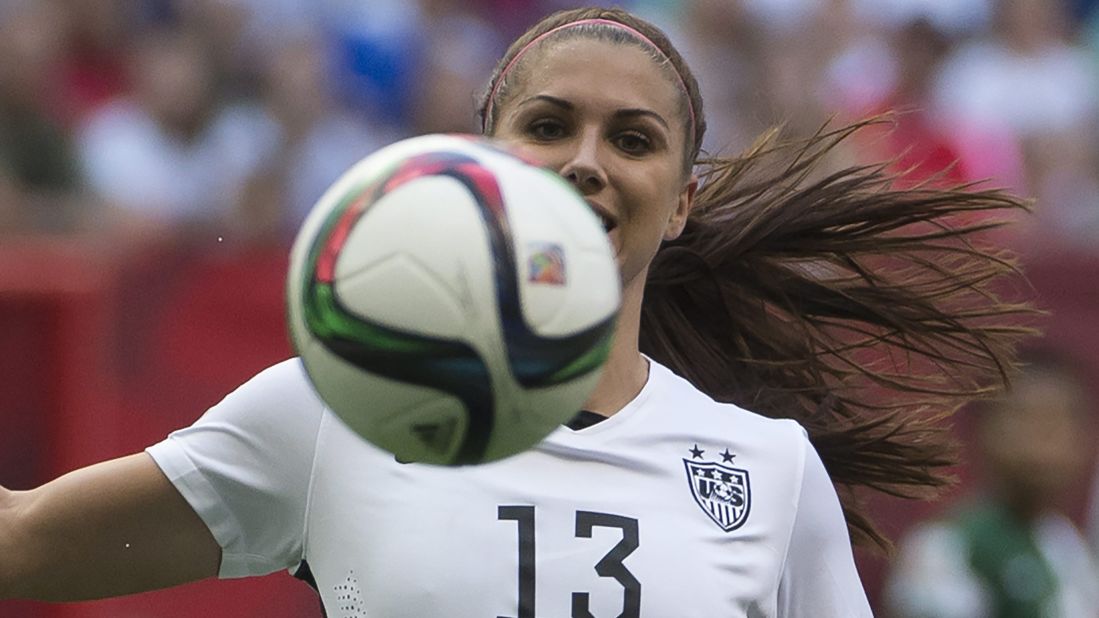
x=546 y=129
x=633 y=142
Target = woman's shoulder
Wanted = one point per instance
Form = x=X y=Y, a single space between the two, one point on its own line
x=288 y=374
x=694 y=406
x=285 y=379
x=281 y=392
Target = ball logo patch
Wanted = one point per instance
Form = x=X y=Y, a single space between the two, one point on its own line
x=546 y=264
x=721 y=491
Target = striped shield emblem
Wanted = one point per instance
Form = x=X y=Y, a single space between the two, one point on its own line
x=722 y=492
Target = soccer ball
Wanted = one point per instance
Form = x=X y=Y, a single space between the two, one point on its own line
x=451 y=303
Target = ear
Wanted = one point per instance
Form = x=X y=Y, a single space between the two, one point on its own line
x=682 y=209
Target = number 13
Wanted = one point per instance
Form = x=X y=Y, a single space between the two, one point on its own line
x=611 y=565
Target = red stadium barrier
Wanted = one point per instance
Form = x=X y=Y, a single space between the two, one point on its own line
x=105 y=352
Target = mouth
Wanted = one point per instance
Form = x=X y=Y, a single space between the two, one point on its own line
x=609 y=222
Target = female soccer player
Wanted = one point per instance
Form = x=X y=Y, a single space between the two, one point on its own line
x=778 y=291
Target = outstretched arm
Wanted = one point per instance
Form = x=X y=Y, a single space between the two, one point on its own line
x=114 y=528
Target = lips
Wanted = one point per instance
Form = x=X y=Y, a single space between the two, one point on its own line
x=608 y=220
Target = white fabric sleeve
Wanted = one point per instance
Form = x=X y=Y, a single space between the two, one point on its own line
x=245 y=468
x=819 y=579
x=931 y=577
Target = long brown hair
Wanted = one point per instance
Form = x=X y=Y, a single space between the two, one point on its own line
x=865 y=312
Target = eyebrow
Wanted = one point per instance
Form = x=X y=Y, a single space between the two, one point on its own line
x=622 y=113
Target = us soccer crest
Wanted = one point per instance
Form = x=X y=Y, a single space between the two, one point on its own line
x=721 y=491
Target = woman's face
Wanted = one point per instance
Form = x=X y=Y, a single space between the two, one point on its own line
x=607 y=118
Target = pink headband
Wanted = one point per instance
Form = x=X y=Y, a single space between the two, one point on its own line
x=606 y=22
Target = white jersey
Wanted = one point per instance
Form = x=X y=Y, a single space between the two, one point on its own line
x=676 y=506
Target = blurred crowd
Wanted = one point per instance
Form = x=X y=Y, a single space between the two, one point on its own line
x=1007 y=548
x=232 y=116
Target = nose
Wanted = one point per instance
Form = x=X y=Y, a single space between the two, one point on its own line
x=583 y=168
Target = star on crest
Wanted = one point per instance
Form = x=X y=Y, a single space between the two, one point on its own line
x=727 y=457
x=697 y=452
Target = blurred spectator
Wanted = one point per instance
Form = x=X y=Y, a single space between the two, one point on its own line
x=1067 y=187
x=229 y=33
x=509 y=17
x=801 y=38
x=922 y=149
x=786 y=17
x=954 y=17
x=12 y=209
x=241 y=35
x=316 y=139
x=172 y=154
x=721 y=41
x=1027 y=76
x=1031 y=82
x=1093 y=513
x=93 y=68
x=37 y=162
x=1011 y=552
x=1083 y=10
x=460 y=50
x=379 y=46
x=896 y=73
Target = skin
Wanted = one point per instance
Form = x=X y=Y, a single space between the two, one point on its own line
x=608 y=119
x=1035 y=442
x=114 y=528
x=604 y=116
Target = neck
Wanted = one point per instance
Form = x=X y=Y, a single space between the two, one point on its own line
x=1024 y=506
x=626 y=371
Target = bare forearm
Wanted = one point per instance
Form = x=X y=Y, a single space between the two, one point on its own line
x=115 y=528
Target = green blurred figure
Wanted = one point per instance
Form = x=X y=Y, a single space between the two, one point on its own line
x=1010 y=552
